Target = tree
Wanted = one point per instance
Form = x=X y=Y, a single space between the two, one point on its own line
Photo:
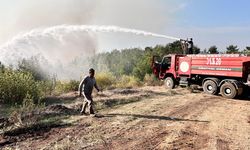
x=118 y=62
x=196 y=50
x=246 y=51
x=134 y=61
x=231 y=49
x=143 y=66
x=32 y=66
x=213 y=50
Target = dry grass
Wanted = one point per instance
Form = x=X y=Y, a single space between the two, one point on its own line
x=151 y=80
x=128 y=82
x=107 y=80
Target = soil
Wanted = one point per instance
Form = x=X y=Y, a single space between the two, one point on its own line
x=149 y=118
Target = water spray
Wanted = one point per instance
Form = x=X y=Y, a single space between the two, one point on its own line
x=57 y=43
x=57 y=30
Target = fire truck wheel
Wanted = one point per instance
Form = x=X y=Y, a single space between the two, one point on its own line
x=210 y=87
x=228 y=90
x=169 y=83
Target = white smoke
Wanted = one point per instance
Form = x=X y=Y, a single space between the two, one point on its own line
x=61 y=43
x=61 y=51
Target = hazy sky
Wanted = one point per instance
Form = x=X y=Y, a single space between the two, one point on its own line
x=209 y=22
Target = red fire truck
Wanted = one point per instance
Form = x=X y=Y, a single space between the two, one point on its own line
x=226 y=74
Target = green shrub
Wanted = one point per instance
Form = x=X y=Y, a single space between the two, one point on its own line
x=72 y=85
x=46 y=87
x=14 y=86
x=105 y=80
x=66 y=86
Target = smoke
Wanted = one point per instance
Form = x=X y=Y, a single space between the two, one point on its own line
x=65 y=49
x=18 y=16
x=140 y=14
x=61 y=50
x=60 y=43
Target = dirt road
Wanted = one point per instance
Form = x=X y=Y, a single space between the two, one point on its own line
x=152 y=118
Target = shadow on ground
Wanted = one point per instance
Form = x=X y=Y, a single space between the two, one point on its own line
x=59 y=100
x=35 y=131
x=152 y=117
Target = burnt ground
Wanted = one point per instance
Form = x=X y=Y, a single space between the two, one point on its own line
x=143 y=118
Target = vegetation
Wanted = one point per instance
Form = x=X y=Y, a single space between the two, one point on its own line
x=117 y=62
x=16 y=85
x=246 y=51
x=118 y=68
x=134 y=62
x=126 y=81
x=151 y=80
x=18 y=112
x=213 y=50
x=32 y=66
x=107 y=80
x=65 y=86
x=231 y=49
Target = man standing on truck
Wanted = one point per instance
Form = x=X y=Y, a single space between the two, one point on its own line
x=85 y=89
x=184 y=46
x=190 y=46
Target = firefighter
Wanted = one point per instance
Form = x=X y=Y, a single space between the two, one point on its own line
x=85 y=89
x=184 y=46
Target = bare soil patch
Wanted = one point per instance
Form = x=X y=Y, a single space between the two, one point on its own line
x=143 y=118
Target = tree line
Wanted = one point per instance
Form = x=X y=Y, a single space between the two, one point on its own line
x=137 y=61
x=127 y=66
x=231 y=49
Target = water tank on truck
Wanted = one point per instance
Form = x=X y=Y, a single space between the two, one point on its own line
x=227 y=74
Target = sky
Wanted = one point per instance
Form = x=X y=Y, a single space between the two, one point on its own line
x=213 y=22
x=208 y=22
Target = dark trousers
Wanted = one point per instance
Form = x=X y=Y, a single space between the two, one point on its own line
x=88 y=102
x=190 y=51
